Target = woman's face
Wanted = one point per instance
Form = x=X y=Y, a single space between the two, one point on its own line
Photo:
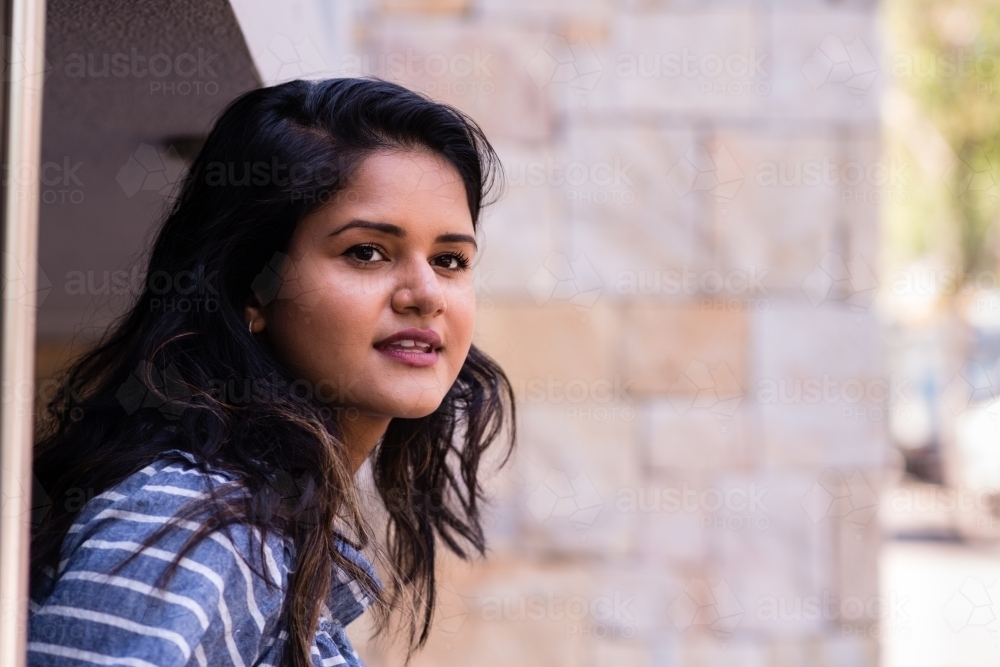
x=376 y=307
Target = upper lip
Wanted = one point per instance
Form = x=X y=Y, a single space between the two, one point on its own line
x=428 y=336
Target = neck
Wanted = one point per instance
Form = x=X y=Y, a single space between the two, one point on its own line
x=362 y=433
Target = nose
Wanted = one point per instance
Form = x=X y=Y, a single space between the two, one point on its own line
x=419 y=290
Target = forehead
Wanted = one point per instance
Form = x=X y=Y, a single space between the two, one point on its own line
x=409 y=183
x=415 y=190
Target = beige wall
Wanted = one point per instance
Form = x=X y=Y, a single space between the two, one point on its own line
x=746 y=177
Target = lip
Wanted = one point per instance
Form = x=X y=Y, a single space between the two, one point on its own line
x=412 y=358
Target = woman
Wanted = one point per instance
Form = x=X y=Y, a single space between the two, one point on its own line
x=309 y=304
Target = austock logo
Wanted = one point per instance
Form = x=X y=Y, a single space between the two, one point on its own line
x=702 y=605
x=734 y=73
x=558 y=496
x=575 y=65
x=714 y=390
x=57 y=181
x=289 y=495
x=738 y=507
x=195 y=69
x=705 y=169
x=848 y=497
x=976 y=185
x=596 y=616
x=27 y=503
x=877 y=616
x=975 y=388
x=149 y=169
x=279 y=279
x=972 y=607
x=585 y=182
x=837 y=62
x=151 y=387
x=16 y=276
x=874 y=399
x=834 y=280
x=284 y=59
x=18 y=70
x=559 y=279
x=437 y=73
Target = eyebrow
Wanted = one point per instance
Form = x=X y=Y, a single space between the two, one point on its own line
x=399 y=232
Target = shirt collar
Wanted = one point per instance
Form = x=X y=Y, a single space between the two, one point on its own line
x=347 y=600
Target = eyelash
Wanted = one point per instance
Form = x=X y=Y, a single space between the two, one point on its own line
x=363 y=262
x=463 y=261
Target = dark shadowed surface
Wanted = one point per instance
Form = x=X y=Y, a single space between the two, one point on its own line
x=102 y=189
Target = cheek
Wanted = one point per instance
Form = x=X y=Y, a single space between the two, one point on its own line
x=344 y=317
x=329 y=299
x=462 y=309
x=320 y=323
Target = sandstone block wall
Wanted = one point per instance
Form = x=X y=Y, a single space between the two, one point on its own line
x=679 y=283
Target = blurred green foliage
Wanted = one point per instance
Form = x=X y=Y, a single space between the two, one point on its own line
x=943 y=57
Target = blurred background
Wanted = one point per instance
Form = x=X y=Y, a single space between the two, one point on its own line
x=744 y=280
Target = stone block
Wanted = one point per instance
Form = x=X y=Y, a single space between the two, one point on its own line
x=772 y=571
x=738 y=502
x=619 y=652
x=823 y=343
x=478 y=70
x=817 y=379
x=546 y=11
x=570 y=607
x=571 y=471
x=630 y=214
x=870 y=181
x=858 y=541
x=684 y=350
x=557 y=353
x=784 y=216
x=826 y=64
x=521 y=232
x=700 y=61
x=709 y=651
x=665 y=537
x=684 y=252
x=685 y=437
x=424 y=6
x=823 y=435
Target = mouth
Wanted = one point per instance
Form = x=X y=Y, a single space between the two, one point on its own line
x=413 y=347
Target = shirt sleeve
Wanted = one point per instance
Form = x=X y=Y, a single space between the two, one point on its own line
x=332 y=647
x=214 y=610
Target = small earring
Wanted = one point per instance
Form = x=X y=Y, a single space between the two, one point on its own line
x=250 y=326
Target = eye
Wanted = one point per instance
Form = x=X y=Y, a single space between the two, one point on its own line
x=453 y=261
x=366 y=253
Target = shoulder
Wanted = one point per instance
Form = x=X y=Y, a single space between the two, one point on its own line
x=116 y=587
x=156 y=497
x=170 y=481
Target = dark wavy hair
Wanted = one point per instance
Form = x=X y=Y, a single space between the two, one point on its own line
x=152 y=382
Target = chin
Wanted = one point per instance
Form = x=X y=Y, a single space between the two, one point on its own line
x=412 y=398
x=415 y=411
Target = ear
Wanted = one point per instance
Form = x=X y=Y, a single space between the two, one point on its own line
x=253 y=315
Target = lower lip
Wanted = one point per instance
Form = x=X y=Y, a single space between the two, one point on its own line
x=418 y=359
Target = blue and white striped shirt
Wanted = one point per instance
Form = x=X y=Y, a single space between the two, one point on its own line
x=215 y=611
